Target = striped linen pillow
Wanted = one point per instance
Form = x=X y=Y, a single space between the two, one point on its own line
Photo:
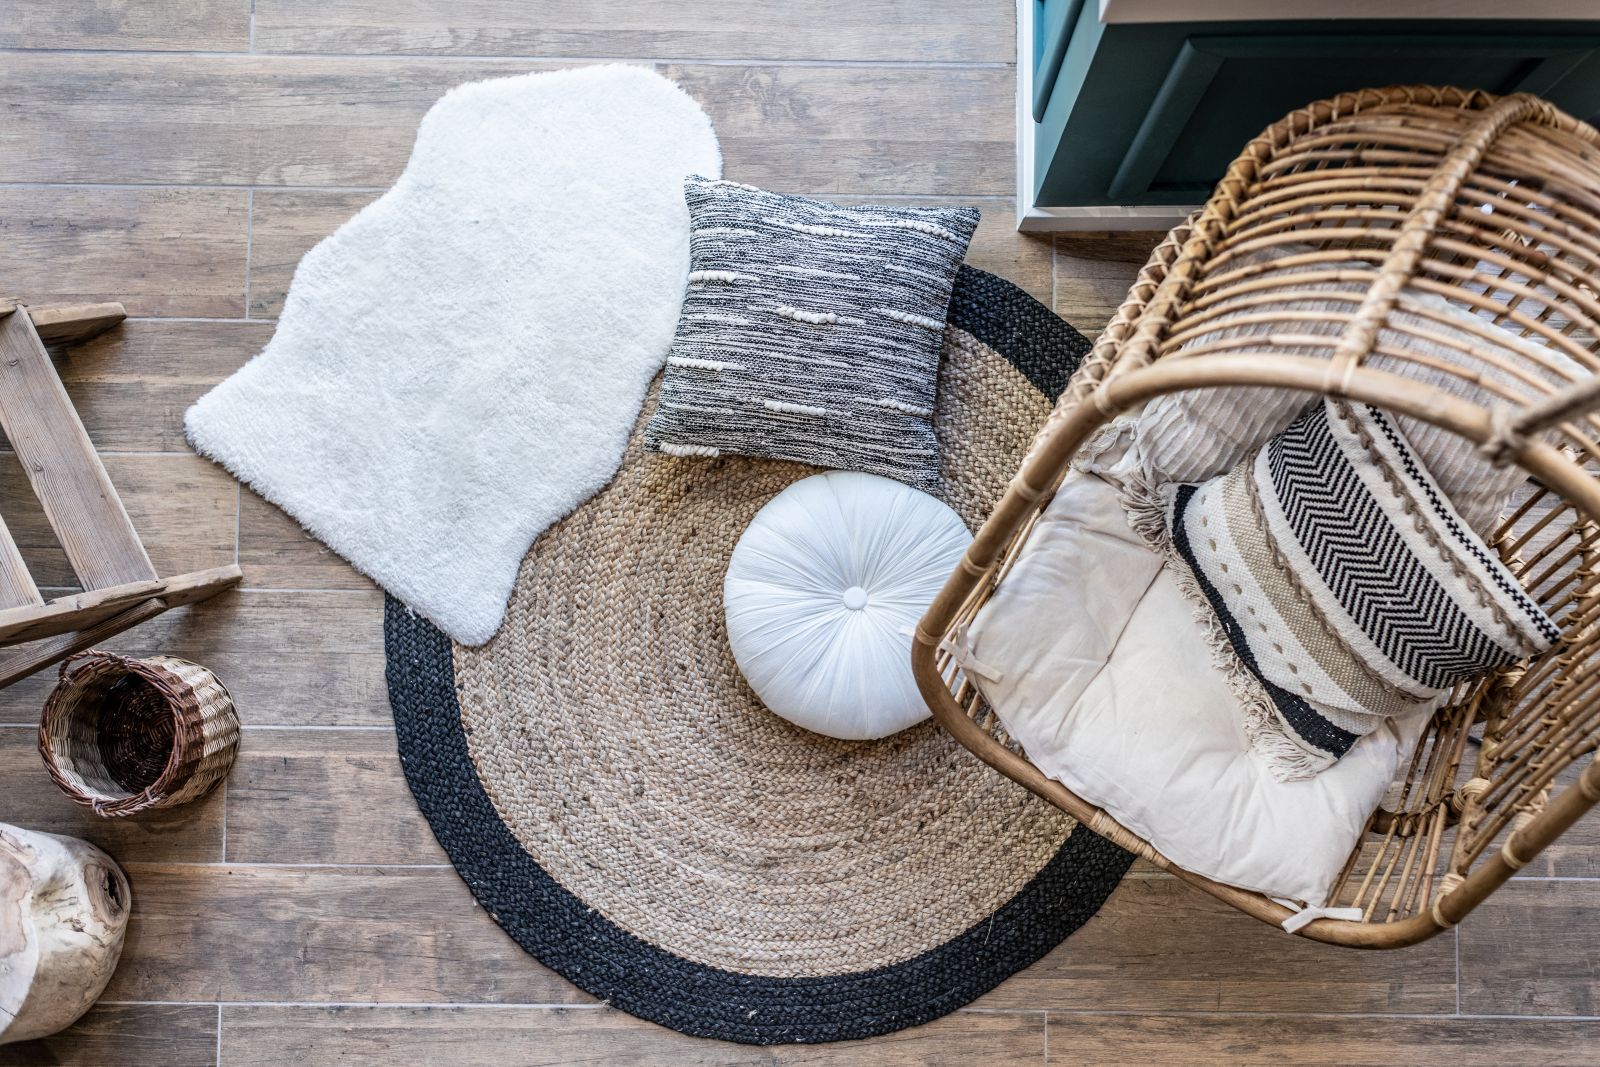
x=811 y=332
x=1346 y=587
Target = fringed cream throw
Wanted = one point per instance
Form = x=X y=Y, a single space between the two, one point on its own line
x=1344 y=585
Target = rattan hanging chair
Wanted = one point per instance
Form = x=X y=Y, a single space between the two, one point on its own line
x=1494 y=205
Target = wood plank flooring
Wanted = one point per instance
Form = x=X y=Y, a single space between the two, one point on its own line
x=181 y=157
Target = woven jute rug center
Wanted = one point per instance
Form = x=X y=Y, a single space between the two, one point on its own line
x=624 y=805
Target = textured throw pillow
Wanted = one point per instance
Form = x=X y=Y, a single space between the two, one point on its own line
x=1346 y=586
x=1195 y=435
x=810 y=332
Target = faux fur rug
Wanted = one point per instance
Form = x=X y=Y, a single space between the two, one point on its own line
x=459 y=365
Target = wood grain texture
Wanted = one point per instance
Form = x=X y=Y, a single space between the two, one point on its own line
x=165 y=25
x=558 y=1037
x=944 y=30
x=17 y=587
x=279 y=554
x=191 y=834
x=132 y=386
x=1318 y=1041
x=126 y=1035
x=184 y=508
x=305 y=658
x=255 y=120
x=1158 y=945
x=324 y=797
x=69 y=324
x=287 y=222
x=364 y=934
x=1093 y=272
x=1533 y=948
x=62 y=468
x=860 y=130
x=157 y=251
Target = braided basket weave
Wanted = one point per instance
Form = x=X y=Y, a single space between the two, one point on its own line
x=1494 y=206
x=123 y=735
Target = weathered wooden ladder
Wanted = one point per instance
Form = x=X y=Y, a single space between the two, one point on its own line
x=120 y=587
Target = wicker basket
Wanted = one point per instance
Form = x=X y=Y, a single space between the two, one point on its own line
x=1493 y=205
x=123 y=735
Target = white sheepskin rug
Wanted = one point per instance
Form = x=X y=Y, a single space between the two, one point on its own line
x=459 y=365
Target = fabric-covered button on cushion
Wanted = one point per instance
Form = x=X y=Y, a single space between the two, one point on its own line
x=811 y=332
x=823 y=591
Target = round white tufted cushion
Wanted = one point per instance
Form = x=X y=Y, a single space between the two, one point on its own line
x=823 y=591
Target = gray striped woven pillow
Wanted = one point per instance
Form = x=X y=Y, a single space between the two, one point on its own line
x=811 y=332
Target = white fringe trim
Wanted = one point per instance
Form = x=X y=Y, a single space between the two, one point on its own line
x=1148 y=508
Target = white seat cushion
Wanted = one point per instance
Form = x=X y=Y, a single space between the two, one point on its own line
x=1093 y=659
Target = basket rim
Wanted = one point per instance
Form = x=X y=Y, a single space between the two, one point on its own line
x=57 y=708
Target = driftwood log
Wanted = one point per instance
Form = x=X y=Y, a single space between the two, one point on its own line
x=63 y=911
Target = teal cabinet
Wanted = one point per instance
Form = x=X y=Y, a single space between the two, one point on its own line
x=1151 y=113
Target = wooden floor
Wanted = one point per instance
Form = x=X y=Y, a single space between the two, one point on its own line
x=180 y=155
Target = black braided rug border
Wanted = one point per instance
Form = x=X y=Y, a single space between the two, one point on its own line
x=631 y=974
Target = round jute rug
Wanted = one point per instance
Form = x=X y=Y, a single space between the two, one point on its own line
x=621 y=803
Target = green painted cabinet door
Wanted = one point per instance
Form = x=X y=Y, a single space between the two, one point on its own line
x=1151 y=114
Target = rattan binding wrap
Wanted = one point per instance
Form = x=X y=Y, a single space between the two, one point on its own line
x=123 y=735
x=1491 y=204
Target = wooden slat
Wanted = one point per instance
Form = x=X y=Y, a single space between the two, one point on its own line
x=24 y=660
x=278 y=120
x=328 y=796
x=1270 y=1040
x=66 y=474
x=81 y=610
x=94 y=628
x=167 y=25
x=942 y=30
x=263 y=1036
x=1158 y=945
x=16 y=584
x=188 y=834
x=75 y=323
x=158 y=251
x=319 y=935
x=126 y=1035
x=288 y=658
x=184 y=507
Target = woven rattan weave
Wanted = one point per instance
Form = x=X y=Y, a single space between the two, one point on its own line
x=122 y=735
x=1493 y=205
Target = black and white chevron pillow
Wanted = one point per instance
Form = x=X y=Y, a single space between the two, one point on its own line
x=811 y=332
x=1347 y=585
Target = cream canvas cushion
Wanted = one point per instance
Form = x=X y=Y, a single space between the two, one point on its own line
x=1094 y=661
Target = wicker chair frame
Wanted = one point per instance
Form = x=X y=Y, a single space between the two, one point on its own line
x=1494 y=205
